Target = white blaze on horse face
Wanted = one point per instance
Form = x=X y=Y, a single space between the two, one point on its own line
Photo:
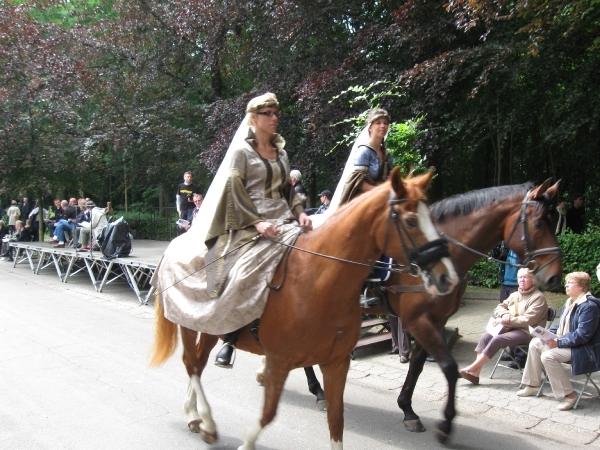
x=426 y=226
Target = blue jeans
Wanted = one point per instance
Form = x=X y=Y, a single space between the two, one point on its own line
x=61 y=226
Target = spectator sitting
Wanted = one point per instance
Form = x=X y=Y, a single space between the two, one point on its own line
x=55 y=214
x=34 y=217
x=13 y=214
x=325 y=197
x=508 y=285
x=522 y=309
x=296 y=180
x=97 y=223
x=23 y=234
x=575 y=215
x=191 y=213
x=67 y=223
x=578 y=342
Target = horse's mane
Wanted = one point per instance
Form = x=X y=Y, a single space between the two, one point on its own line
x=465 y=204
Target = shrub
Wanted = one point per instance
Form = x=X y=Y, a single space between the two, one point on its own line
x=581 y=253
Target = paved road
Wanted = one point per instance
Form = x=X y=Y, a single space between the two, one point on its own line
x=74 y=375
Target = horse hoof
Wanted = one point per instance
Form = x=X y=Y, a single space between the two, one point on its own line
x=441 y=436
x=209 y=438
x=260 y=378
x=322 y=405
x=414 y=425
x=194 y=425
x=442 y=432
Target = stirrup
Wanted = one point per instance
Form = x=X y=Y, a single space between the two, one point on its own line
x=369 y=302
x=226 y=364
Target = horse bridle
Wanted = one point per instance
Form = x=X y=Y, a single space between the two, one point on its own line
x=531 y=255
x=419 y=259
x=529 y=261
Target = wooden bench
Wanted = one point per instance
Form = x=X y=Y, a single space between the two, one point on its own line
x=368 y=338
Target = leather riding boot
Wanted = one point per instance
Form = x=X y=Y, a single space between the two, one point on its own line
x=227 y=350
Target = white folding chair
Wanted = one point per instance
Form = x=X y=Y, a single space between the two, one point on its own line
x=580 y=391
x=520 y=348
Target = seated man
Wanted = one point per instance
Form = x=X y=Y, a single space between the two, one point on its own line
x=66 y=223
x=23 y=234
x=97 y=223
x=325 y=197
x=191 y=214
x=578 y=342
x=56 y=213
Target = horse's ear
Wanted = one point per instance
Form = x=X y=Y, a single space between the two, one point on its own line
x=424 y=181
x=553 y=190
x=397 y=182
x=540 y=190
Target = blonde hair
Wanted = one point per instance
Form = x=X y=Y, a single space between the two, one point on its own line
x=581 y=278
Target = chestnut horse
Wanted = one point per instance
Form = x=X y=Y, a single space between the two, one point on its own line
x=474 y=223
x=314 y=317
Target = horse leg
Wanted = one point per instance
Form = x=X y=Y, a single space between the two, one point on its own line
x=195 y=359
x=260 y=372
x=437 y=348
x=450 y=369
x=334 y=378
x=411 y=421
x=315 y=388
x=275 y=376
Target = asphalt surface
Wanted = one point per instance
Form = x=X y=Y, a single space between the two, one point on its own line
x=74 y=375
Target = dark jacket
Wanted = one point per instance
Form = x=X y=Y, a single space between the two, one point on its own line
x=25 y=235
x=3 y=232
x=70 y=213
x=583 y=337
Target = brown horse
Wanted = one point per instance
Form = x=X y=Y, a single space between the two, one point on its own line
x=478 y=220
x=314 y=317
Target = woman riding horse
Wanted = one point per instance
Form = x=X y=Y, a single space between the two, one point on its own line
x=251 y=204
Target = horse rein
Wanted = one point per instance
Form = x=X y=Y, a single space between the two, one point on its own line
x=525 y=237
x=417 y=258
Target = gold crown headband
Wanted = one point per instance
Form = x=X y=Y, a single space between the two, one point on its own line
x=264 y=104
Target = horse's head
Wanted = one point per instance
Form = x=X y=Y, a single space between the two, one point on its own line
x=410 y=235
x=530 y=234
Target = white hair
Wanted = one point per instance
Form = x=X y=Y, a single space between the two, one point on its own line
x=296 y=174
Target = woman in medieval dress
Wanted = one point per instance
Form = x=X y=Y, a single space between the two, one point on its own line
x=249 y=206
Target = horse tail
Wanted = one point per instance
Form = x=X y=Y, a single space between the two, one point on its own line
x=165 y=336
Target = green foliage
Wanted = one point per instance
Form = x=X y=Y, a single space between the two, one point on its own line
x=401 y=142
x=402 y=137
x=151 y=222
x=485 y=274
x=580 y=253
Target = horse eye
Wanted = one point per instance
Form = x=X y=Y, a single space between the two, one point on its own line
x=538 y=224
x=411 y=222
